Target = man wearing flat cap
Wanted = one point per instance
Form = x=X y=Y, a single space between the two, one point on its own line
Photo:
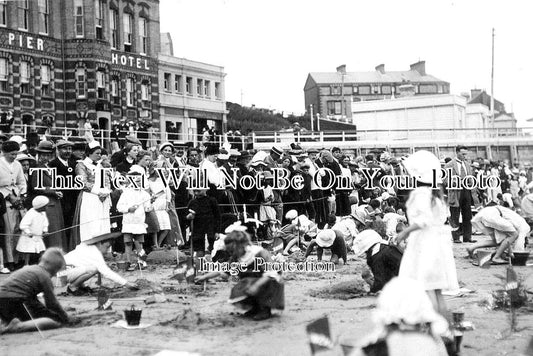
x=12 y=187
x=272 y=159
x=65 y=166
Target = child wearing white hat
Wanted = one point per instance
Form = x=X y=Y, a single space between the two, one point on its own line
x=428 y=257
x=34 y=226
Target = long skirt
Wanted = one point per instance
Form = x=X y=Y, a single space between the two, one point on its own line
x=92 y=216
x=271 y=294
x=11 y=222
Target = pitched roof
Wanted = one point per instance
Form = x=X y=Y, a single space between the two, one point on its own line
x=373 y=77
x=484 y=98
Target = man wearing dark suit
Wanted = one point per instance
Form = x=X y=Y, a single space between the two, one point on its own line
x=65 y=165
x=460 y=200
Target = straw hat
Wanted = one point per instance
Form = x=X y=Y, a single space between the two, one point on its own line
x=422 y=165
x=364 y=240
x=166 y=144
x=45 y=147
x=24 y=157
x=325 y=238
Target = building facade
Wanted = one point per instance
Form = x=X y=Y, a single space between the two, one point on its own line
x=331 y=94
x=408 y=114
x=191 y=96
x=62 y=62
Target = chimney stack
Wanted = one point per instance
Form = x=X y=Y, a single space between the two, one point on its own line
x=420 y=67
x=475 y=92
x=381 y=68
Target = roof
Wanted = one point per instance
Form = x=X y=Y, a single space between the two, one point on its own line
x=484 y=98
x=373 y=77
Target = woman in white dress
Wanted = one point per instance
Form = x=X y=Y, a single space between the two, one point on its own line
x=428 y=257
x=92 y=208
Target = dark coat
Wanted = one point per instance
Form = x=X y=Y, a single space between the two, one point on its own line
x=68 y=203
x=454 y=194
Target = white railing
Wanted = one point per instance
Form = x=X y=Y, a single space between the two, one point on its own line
x=392 y=135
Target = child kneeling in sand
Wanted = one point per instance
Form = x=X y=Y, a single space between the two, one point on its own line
x=18 y=296
x=258 y=291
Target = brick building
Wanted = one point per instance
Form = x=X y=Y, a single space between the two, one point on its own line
x=332 y=93
x=64 y=61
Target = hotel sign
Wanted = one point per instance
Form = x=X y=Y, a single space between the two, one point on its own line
x=131 y=60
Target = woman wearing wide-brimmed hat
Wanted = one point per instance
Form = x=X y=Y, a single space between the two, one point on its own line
x=428 y=257
x=45 y=153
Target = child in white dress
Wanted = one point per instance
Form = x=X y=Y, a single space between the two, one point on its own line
x=428 y=256
x=134 y=202
x=163 y=197
x=34 y=225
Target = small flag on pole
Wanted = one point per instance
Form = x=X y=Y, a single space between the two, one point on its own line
x=319 y=335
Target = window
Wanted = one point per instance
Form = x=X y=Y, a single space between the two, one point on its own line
x=115 y=96
x=43 y=16
x=375 y=89
x=188 y=85
x=217 y=91
x=199 y=86
x=207 y=88
x=427 y=88
x=166 y=83
x=145 y=94
x=144 y=91
x=177 y=83
x=100 y=84
x=45 y=80
x=3 y=13
x=365 y=89
x=334 y=108
x=4 y=76
x=80 y=83
x=99 y=19
x=23 y=15
x=78 y=17
x=143 y=35
x=126 y=23
x=355 y=90
x=335 y=90
x=113 y=25
x=129 y=92
x=25 y=73
x=386 y=89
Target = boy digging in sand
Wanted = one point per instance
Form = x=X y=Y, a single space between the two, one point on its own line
x=18 y=297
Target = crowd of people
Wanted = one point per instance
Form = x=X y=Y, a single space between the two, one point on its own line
x=401 y=232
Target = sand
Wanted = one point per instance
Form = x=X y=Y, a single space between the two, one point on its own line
x=196 y=321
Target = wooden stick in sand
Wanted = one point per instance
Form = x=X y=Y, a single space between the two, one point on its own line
x=34 y=323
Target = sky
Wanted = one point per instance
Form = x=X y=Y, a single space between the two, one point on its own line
x=268 y=47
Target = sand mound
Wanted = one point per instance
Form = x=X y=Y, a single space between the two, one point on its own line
x=189 y=319
x=167 y=257
x=344 y=290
